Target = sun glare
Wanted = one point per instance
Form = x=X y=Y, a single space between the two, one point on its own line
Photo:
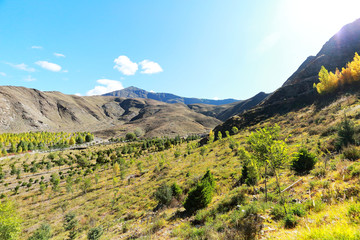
x=325 y=16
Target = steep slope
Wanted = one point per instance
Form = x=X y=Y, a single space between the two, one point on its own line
x=133 y=92
x=23 y=109
x=223 y=112
x=297 y=90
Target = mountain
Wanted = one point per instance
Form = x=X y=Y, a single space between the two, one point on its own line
x=297 y=90
x=223 y=112
x=23 y=109
x=220 y=109
x=133 y=92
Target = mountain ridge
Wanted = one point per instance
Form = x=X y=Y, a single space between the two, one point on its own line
x=23 y=109
x=134 y=92
x=297 y=91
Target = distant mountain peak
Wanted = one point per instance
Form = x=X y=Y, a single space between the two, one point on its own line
x=134 y=92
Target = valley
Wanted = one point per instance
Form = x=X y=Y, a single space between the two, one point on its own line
x=126 y=163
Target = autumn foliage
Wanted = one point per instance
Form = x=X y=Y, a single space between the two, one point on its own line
x=330 y=81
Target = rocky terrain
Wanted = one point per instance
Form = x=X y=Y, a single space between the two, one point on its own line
x=23 y=109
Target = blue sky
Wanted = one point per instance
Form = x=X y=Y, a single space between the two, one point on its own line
x=193 y=48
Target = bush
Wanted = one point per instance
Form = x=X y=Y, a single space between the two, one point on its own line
x=277 y=212
x=298 y=210
x=246 y=223
x=303 y=161
x=319 y=172
x=290 y=221
x=43 y=233
x=354 y=212
x=130 y=136
x=315 y=205
x=95 y=233
x=345 y=133
x=176 y=190
x=200 y=196
x=228 y=203
x=164 y=194
x=351 y=153
x=354 y=169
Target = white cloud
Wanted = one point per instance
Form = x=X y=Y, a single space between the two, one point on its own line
x=268 y=42
x=216 y=98
x=36 y=47
x=78 y=94
x=2 y=74
x=125 y=65
x=152 y=91
x=29 y=79
x=109 y=86
x=22 y=66
x=59 y=55
x=65 y=71
x=150 y=67
x=49 y=66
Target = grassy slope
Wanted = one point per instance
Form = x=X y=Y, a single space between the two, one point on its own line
x=133 y=215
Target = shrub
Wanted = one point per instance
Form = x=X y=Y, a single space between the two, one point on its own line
x=345 y=133
x=70 y=224
x=298 y=210
x=303 y=161
x=200 y=196
x=157 y=225
x=354 y=212
x=176 y=190
x=354 y=169
x=315 y=205
x=290 y=221
x=164 y=194
x=246 y=223
x=130 y=136
x=319 y=172
x=351 y=153
x=228 y=203
x=277 y=212
x=42 y=233
x=95 y=233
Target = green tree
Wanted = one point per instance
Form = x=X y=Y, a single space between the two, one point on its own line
x=260 y=143
x=55 y=181
x=10 y=222
x=42 y=233
x=201 y=195
x=219 y=135
x=235 y=130
x=70 y=224
x=303 y=161
x=86 y=184
x=95 y=233
x=69 y=184
x=249 y=171
x=130 y=136
x=278 y=159
x=164 y=194
x=176 y=190
x=345 y=133
x=89 y=137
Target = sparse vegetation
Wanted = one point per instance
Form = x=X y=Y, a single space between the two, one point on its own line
x=124 y=186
